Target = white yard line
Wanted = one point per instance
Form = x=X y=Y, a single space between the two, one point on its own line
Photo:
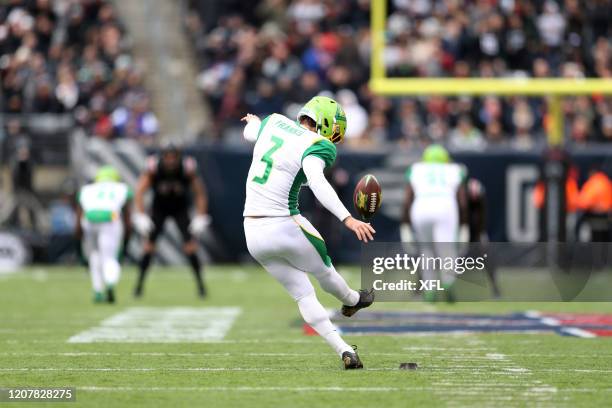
x=456 y=349
x=162 y=325
x=174 y=354
x=312 y=340
x=174 y=369
x=238 y=388
x=466 y=382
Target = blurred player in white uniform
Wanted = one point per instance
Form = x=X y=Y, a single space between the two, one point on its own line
x=104 y=229
x=288 y=154
x=434 y=206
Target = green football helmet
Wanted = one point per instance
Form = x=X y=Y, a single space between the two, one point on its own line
x=328 y=116
x=107 y=173
x=435 y=153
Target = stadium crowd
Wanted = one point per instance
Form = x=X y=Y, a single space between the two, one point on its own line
x=71 y=56
x=273 y=55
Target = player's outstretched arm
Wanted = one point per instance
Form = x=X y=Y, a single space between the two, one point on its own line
x=252 y=127
x=313 y=168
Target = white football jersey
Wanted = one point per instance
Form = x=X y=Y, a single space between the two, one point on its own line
x=103 y=201
x=435 y=180
x=276 y=175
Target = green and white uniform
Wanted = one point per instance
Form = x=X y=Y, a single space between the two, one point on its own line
x=103 y=201
x=285 y=157
x=102 y=204
x=434 y=213
x=276 y=174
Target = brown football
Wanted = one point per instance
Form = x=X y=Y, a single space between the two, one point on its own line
x=367 y=197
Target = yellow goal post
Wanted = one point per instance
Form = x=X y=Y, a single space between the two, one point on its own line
x=553 y=88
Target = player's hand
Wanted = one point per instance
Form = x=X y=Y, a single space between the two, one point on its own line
x=199 y=224
x=142 y=223
x=249 y=117
x=363 y=230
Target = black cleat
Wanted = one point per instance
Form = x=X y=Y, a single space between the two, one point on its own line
x=366 y=298
x=202 y=292
x=110 y=295
x=138 y=291
x=351 y=360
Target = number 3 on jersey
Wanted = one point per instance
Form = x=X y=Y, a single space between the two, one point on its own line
x=267 y=158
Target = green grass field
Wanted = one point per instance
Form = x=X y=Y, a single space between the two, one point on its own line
x=265 y=360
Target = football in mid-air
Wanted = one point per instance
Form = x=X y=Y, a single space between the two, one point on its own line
x=367 y=197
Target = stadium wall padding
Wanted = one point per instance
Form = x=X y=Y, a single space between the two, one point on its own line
x=224 y=170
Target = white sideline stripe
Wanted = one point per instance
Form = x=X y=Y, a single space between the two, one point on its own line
x=162 y=325
x=418 y=348
x=314 y=340
x=299 y=389
x=162 y=369
x=248 y=388
x=517 y=372
x=551 y=355
x=170 y=354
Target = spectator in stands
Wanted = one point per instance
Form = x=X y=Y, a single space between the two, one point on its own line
x=58 y=56
x=465 y=136
x=580 y=129
x=358 y=115
x=523 y=122
x=323 y=45
x=22 y=167
x=135 y=120
x=595 y=202
x=494 y=135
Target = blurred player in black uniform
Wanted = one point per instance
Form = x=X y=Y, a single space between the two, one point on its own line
x=477 y=222
x=175 y=184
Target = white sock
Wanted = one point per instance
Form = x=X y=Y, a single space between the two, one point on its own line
x=352 y=298
x=95 y=272
x=339 y=345
x=333 y=283
x=112 y=269
x=316 y=316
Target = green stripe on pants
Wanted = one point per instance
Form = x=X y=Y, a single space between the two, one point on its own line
x=319 y=245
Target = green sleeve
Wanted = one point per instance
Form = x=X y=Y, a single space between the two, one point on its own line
x=262 y=125
x=408 y=173
x=323 y=149
x=130 y=194
x=462 y=173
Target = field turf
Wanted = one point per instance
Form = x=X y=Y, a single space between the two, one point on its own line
x=265 y=360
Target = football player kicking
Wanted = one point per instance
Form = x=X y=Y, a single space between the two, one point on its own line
x=286 y=155
x=172 y=178
x=104 y=224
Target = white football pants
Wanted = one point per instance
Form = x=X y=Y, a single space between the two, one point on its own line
x=436 y=221
x=289 y=248
x=102 y=243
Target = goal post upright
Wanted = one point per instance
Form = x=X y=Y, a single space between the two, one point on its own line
x=553 y=88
